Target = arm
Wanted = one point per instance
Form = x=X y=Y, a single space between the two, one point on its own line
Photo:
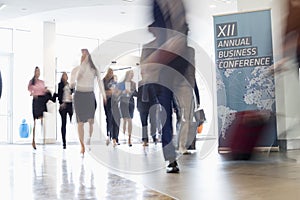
x=133 y=89
x=197 y=93
x=101 y=86
x=30 y=88
x=116 y=92
x=108 y=92
x=73 y=77
x=168 y=50
x=37 y=89
x=135 y=93
x=60 y=92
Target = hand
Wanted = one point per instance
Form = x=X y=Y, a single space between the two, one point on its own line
x=62 y=106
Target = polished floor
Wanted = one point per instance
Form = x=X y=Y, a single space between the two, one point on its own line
x=138 y=172
x=53 y=173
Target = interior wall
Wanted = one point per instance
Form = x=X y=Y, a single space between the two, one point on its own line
x=200 y=18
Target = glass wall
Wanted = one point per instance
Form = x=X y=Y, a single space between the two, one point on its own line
x=27 y=51
x=6 y=46
x=20 y=52
x=5 y=101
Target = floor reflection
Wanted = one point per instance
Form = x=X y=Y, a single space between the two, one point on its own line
x=67 y=186
x=52 y=173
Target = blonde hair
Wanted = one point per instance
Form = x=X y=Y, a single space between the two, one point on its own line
x=107 y=73
x=127 y=74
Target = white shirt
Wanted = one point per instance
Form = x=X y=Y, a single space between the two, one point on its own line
x=67 y=94
x=83 y=77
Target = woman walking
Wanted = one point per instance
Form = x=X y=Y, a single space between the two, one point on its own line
x=65 y=100
x=38 y=91
x=128 y=90
x=84 y=97
x=108 y=81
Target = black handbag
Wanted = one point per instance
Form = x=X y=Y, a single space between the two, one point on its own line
x=200 y=116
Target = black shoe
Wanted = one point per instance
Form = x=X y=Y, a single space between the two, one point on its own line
x=187 y=153
x=155 y=141
x=173 y=167
x=64 y=146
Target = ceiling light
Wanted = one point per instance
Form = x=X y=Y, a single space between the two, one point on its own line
x=212 y=6
x=2 y=5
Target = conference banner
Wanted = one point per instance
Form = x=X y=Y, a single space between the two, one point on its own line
x=243 y=59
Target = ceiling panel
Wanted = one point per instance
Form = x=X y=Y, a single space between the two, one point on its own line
x=17 y=8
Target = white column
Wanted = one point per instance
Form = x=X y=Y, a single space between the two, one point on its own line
x=49 y=64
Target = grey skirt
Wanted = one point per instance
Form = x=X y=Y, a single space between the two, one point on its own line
x=85 y=105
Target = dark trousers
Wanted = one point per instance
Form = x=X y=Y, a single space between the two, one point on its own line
x=115 y=117
x=144 y=114
x=108 y=114
x=68 y=109
x=165 y=97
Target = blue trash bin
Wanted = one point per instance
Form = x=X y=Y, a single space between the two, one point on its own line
x=24 y=129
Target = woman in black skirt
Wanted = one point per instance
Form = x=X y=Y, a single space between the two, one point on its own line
x=40 y=95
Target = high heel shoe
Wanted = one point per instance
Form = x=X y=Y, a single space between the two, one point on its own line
x=88 y=142
x=82 y=152
x=129 y=143
x=33 y=145
x=145 y=144
x=114 y=142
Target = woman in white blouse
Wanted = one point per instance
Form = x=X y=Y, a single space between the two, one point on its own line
x=82 y=79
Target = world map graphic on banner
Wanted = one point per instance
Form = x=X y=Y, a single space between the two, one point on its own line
x=244 y=57
x=248 y=91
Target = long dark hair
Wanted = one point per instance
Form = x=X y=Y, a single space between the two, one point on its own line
x=61 y=78
x=90 y=61
x=33 y=78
